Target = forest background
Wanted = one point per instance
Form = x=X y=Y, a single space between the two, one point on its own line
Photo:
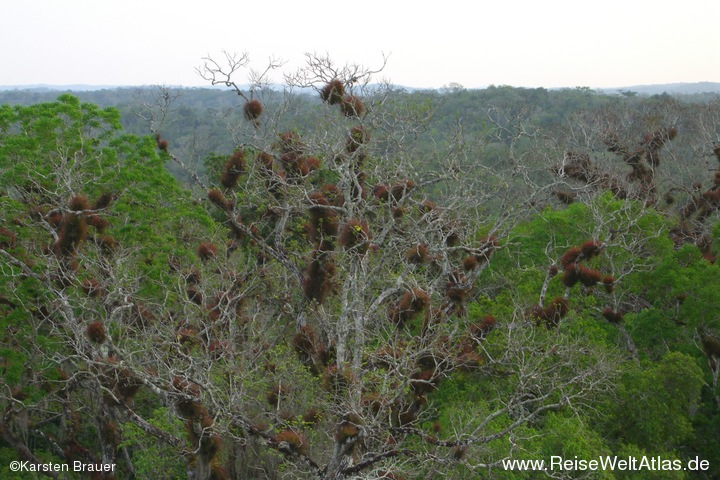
x=354 y=280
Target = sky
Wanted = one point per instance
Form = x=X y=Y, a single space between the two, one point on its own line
x=540 y=43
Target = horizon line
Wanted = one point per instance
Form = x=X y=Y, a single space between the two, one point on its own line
x=96 y=87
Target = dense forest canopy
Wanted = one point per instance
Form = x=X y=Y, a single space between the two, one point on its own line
x=199 y=118
x=364 y=282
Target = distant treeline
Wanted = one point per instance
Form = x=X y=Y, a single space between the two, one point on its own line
x=199 y=120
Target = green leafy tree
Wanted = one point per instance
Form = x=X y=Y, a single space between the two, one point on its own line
x=89 y=221
x=655 y=405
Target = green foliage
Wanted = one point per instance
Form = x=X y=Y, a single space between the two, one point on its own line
x=682 y=291
x=153 y=459
x=51 y=153
x=655 y=402
x=654 y=410
x=569 y=437
x=534 y=246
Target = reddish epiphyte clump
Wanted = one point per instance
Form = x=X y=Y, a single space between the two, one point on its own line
x=252 y=110
x=333 y=92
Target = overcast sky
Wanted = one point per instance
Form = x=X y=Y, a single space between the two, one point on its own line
x=539 y=43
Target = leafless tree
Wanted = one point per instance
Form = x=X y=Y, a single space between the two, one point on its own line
x=304 y=330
